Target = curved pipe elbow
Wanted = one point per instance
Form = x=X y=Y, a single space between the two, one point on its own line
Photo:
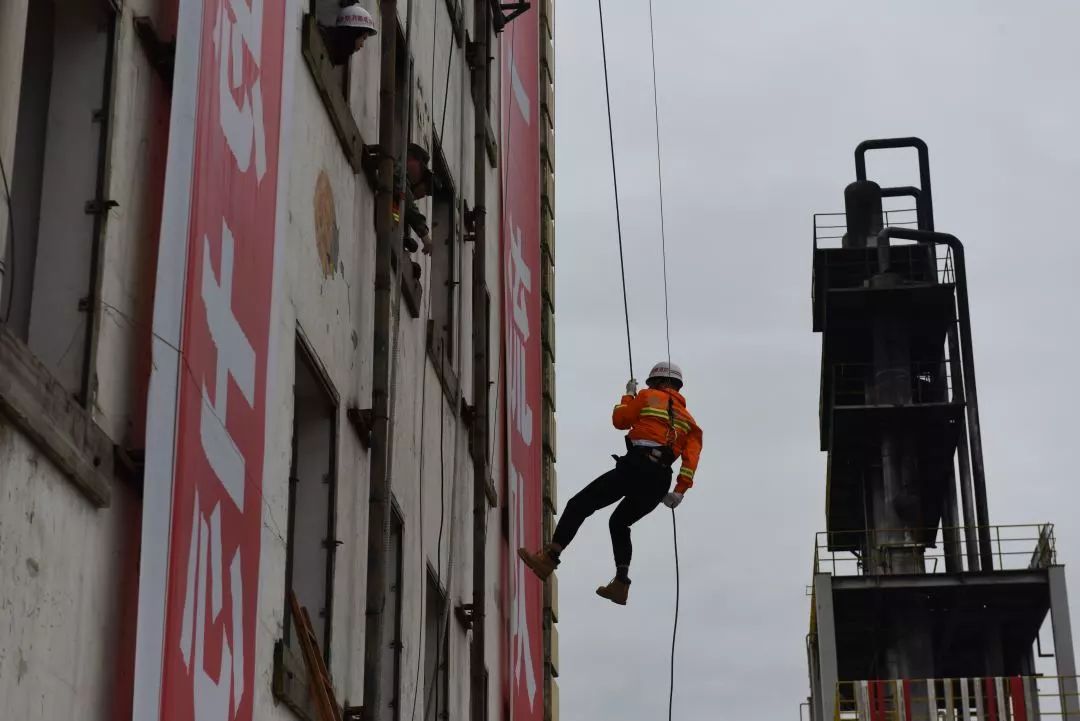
x=921 y=236
x=887 y=144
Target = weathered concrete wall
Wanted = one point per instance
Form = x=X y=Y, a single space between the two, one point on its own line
x=327 y=296
x=64 y=566
x=332 y=303
x=67 y=569
x=61 y=602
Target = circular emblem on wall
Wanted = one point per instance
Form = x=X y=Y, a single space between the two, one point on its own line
x=326 y=229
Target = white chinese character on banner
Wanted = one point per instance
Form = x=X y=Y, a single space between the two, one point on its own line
x=518 y=383
x=241 y=123
x=204 y=576
x=521 y=284
x=235 y=359
x=521 y=661
x=518 y=378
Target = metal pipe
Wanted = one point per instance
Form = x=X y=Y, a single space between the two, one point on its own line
x=968 y=364
x=963 y=454
x=101 y=209
x=477 y=651
x=926 y=215
x=950 y=515
x=862 y=212
x=926 y=222
x=379 y=498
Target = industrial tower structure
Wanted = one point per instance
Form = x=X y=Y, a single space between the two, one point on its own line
x=920 y=608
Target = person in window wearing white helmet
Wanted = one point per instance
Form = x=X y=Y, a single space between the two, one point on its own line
x=353 y=26
x=661 y=430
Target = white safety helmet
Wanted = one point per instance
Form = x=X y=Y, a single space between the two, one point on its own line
x=668 y=371
x=355 y=16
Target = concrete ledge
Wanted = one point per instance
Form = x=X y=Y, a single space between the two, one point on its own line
x=54 y=421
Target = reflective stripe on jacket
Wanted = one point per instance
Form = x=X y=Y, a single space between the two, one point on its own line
x=660 y=415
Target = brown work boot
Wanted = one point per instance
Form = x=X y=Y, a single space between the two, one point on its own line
x=617 y=591
x=543 y=562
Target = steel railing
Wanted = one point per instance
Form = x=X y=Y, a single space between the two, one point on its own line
x=913 y=262
x=830 y=228
x=858 y=384
x=996 y=698
x=923 y=551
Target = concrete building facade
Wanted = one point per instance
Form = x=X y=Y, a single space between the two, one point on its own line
x=386 y=385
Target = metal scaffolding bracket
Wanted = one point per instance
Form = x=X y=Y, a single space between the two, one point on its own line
x=476 y=54
x=362 y=421
x=465 y=613
x=99 y=206
x=506 y=13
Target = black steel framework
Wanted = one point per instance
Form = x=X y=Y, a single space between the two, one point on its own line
x=905 y=587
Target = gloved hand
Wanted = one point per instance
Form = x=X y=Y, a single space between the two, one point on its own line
x=631 y=387
x=428 y=244
x=672 y=500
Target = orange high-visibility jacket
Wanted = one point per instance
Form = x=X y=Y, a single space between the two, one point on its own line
x=660 y=415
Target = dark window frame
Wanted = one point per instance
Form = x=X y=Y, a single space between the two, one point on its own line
x=97 y=206
x=411 y=288
x=442 y=662
x=290 y=677
x=332 y=90
x=442 y=326
x=397 y=523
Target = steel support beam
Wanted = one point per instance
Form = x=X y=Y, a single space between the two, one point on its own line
x=1063 y=643
x=826 y=646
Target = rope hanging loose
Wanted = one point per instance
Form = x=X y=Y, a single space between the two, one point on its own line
x=660 y=182
x=615 y=182
x=622 y=269
x=675 y=626
x=667 y=338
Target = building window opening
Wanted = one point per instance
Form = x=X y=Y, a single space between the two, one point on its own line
x=444 y=255
x=412 y=184
x=345 y=27
x=436 y=636
x=416 y=185
x=392 y=664
x=311 y=544
x=57 y=185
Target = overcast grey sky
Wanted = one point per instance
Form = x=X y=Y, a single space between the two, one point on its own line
x=762 y=104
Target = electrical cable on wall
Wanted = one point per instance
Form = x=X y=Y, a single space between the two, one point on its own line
x=444 y=622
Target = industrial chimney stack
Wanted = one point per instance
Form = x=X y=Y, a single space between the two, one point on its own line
x=921 y=609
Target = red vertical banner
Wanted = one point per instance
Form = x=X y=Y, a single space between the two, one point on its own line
x=199 y=575
x=521 y=317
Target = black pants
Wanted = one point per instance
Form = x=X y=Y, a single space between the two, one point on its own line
x=639 y=483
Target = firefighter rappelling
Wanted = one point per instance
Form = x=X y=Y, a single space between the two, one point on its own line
x=660 y=431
